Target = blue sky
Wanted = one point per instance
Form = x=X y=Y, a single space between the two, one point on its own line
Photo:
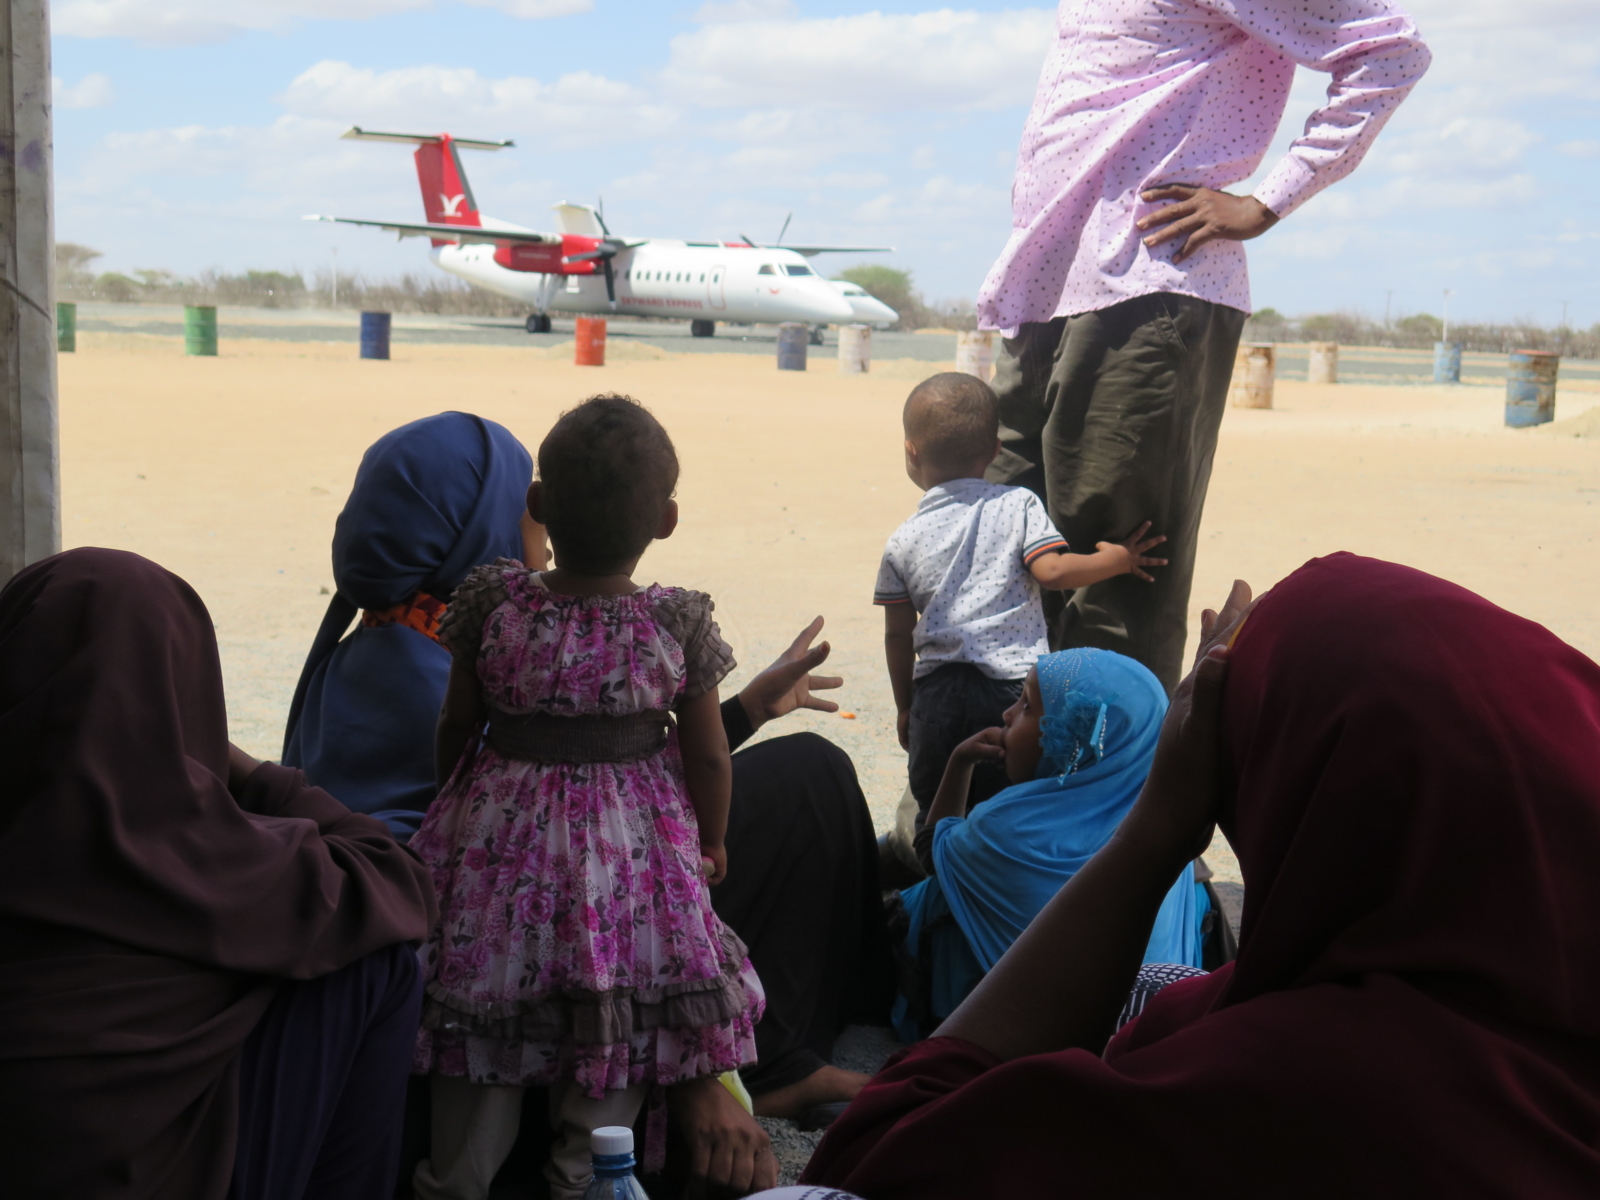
x=195 y=133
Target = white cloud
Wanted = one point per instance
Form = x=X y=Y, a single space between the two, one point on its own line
x=1463 y=148
x=940 y=202
x=931 y=60
x=1450 y=15
x=92 y=91
x=575 y=109
x=196 y=22
x=1582 y=148
x=726 y=12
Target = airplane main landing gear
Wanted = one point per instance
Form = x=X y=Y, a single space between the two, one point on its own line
x=702 y=328
x=816 y=334
x=538 y=323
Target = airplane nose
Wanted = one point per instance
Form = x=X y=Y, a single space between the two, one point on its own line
x=827 y=305
x=876 y=310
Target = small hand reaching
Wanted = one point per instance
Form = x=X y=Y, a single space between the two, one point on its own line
x=788 y=683
x=1132 y=548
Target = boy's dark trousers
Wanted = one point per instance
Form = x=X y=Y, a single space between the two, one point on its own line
x=1111 y=418
x=948 y=705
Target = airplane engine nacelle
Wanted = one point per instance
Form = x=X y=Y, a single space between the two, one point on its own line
x=545 y=258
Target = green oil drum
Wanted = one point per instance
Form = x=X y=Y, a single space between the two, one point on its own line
x=66 y=327
x=200 y=329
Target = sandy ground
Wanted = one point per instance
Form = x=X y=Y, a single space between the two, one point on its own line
x=230 y=471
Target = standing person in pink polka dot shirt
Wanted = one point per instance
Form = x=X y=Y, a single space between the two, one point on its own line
x=1123 y=289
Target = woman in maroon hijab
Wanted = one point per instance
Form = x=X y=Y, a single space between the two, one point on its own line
x=1411 y=779
x=202 y=959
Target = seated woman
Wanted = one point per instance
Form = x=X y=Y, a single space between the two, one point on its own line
x=431 y=500
x=1411 y=779
x=1077 y=747
x=206 y=970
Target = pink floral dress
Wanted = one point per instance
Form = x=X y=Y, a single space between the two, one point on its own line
x=576 y=938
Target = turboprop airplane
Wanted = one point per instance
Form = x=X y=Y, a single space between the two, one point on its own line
x=586 y=269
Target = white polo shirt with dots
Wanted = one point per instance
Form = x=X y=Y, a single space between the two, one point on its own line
x=962 y=560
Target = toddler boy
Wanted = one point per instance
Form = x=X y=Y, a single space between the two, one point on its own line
x=960 y=581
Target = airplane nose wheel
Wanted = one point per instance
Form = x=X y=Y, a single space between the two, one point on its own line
x=538 y=323
x=816 y=334
x=702 y=328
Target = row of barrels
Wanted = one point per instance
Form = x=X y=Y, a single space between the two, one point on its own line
x=1530 y=377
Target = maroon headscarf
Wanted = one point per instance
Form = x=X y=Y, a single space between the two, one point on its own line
x=147 y=916
x=1415 y=1010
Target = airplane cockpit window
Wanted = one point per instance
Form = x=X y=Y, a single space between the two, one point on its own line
x=767 y=269
x=798 y=269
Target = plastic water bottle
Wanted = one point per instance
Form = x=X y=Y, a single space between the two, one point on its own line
x=612 y=1148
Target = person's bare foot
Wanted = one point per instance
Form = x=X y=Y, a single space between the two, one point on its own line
x=826 y=1085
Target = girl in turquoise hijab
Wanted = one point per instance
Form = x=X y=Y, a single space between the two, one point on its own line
x=1077 y=746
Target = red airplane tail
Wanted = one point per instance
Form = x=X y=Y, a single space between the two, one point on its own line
x=446 y=194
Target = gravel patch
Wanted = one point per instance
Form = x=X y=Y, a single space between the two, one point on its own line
x=859 y=1048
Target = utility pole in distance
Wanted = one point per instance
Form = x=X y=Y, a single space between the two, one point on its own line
x=30 y=490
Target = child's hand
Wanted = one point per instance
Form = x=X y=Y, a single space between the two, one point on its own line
x=714 y=864
x=987 y=745
x=902 y=727
x=1132 y=551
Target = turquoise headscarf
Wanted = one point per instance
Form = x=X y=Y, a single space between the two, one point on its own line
x=998 y=867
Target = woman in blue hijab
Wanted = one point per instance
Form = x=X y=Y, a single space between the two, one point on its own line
x=431 y=500
x=1077 y=746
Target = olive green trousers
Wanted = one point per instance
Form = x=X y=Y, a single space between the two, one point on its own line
x=1111 y=418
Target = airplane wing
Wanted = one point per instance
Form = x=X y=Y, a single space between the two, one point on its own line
x=464 y=234
x=810 y=251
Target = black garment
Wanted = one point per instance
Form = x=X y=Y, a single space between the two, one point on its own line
x=322 y=1084
x=948 y=705
x=1111 y=417
x=802 y=892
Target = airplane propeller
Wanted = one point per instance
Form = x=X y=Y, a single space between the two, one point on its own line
x=608 y=249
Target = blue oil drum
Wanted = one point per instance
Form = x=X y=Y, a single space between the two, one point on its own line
x=792 y=339
x=374 y=335
x=1447 y=362
x=1531 y=387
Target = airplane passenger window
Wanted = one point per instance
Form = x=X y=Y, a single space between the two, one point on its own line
x=767 y=269
x=798 y=269
x=702 y=276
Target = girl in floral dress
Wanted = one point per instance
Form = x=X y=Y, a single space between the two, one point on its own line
x=582 y=820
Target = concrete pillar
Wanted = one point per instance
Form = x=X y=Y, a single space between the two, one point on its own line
x=30 y=492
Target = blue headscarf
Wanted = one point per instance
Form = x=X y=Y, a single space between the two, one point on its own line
x=431 y=500
x=997 y=868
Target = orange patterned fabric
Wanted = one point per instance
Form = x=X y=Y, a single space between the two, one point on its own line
x=422 y=612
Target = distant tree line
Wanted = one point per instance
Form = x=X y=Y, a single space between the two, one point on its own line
x=432 y=293
x=1419 y=332
x=439 y=293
